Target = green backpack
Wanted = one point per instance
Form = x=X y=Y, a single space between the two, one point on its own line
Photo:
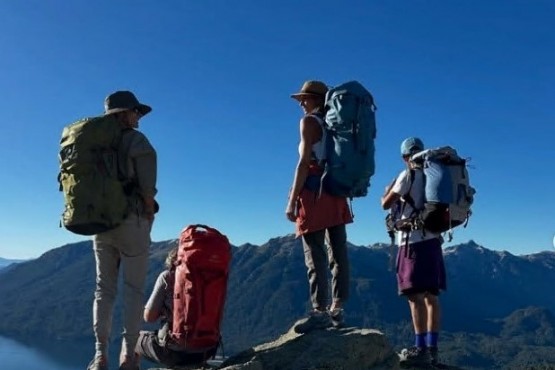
x=94 y=190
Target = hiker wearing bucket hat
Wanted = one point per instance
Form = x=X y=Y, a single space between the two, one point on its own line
x=128 y=244
x=126 y=102
x=420 y=267
x=318 y=215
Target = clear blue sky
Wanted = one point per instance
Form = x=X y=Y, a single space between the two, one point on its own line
x=478 y=75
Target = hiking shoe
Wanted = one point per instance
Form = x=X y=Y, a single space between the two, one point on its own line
x=128 y=366
x=433 y=355
x=435 y=359
x=337 y=318
x=99 y=362
x=415 y=356
x=316 y=320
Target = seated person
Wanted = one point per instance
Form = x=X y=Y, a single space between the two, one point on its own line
x=157 y=346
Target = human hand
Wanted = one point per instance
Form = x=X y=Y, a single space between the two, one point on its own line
x=150 y=208
x=290 y=212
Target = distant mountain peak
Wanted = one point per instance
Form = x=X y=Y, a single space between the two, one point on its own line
x=281 y=241
x=469 y=247
x=5 y=262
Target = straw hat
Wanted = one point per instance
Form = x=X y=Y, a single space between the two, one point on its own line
x=311 y=88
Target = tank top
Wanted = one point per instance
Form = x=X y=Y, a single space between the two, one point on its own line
x=319 y=148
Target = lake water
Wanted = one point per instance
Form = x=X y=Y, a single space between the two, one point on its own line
x=33 y=355
x=16 y=355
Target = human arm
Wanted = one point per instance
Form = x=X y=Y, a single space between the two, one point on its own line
x=151 y=316
x=394 y=191
x=144 y=161
x=389 y=197
x=310 y=133
x=154 y=307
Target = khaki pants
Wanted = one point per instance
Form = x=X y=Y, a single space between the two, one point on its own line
x=317 y=255
x=126 y=246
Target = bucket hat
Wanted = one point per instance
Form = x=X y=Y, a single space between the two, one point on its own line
x=121 y=101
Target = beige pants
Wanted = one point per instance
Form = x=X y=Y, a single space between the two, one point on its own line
x=126 y=246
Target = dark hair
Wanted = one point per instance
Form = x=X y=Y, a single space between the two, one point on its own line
x=171 y=259
x=120 y=117
x=321 y=108
x=322 y=103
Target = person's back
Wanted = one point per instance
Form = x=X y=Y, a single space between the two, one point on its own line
x=410 y=185
x=138 y=162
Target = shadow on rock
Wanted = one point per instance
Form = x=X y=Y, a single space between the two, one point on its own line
x=431 y=367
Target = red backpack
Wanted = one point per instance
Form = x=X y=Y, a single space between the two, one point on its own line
x=200 y=286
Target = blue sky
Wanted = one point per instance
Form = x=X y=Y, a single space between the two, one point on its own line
x=477 y=75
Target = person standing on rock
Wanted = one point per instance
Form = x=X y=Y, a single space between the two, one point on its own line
x=420 y=267
x=126 y=246
x=319 y=217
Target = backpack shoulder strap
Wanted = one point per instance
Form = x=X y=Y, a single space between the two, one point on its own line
x=407 y=197
x=319 y=117
x=124 y=148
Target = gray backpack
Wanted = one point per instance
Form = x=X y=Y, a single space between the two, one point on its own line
x=448 y=194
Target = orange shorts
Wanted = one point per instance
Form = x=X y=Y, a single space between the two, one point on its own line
x=316 y=212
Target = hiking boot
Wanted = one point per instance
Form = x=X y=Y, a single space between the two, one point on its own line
x=129 y=366
x=435 y=359
x=99 y=362
x=316 y=320
x=415 y=356
x=337 y=318
x=433 y=355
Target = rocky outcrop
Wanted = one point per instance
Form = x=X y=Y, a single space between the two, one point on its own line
x=331 y=349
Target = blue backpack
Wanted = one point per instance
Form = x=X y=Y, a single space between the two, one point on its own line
x=351 y=129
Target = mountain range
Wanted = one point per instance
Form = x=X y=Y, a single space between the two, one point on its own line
x=497 y=311
x=5 y=262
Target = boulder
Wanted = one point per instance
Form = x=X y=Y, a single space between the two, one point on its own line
x=330 y=349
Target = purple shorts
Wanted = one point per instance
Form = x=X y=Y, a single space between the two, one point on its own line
x=420 y=268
